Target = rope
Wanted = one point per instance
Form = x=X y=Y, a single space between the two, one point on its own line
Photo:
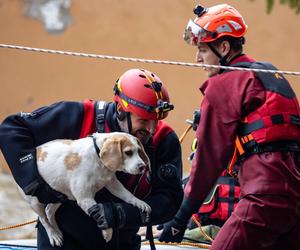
x=185 y=133
x=130 y=59
x=201 y=230
x=199 y=245
x=17 y=225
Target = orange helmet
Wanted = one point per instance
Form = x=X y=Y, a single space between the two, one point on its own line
x=213 y=23
x=141 y=92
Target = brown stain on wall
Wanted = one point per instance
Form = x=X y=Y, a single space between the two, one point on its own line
x=130 y=28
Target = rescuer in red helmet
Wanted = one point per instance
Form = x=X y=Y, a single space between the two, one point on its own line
x=250 y=117
x=140 y=104
x=139 y=94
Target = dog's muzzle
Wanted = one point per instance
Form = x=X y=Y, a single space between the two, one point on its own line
x=141 y=168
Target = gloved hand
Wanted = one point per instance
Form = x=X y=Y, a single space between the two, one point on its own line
x=196 y=119
x=173 y=231
x=118 y=215
x=46 y=194
x=108 y=215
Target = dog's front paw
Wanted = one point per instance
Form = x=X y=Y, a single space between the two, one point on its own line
x=55 y=238
x=143 y=206
x=107 y=234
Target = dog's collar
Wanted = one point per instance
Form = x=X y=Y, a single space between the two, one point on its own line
x=95 y=144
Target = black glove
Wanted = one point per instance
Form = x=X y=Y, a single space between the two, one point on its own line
x=108 y=215
x=117 y=215
x=196 y=119
x=174 y=229
x=46 y=194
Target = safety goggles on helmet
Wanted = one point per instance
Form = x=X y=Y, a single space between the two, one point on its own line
x=195 y=34
x=161 y=107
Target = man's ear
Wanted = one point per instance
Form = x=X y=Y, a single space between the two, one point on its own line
x=119 y=108
x=224 y=48
x=121 y=114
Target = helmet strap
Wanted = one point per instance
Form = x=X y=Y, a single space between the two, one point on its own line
x=121 y=114
x=129 y=122
x=213 y=49
x=124 y=117
x=222 y=59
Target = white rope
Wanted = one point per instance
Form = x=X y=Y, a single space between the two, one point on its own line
x=130 y=59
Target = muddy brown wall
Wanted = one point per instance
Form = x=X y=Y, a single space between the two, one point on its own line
x=130 y=28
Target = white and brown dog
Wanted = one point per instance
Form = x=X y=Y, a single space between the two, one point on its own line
x=79 y=168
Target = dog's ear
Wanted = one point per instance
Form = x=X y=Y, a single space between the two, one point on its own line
x=111 y=153
x=143 y=154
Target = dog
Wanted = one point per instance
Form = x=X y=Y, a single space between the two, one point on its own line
x=80 y=168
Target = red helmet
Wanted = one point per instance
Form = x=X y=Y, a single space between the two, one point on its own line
x=213 y=23
x=141 y=92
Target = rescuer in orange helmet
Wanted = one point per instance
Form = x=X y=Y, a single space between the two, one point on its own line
x=249 y=119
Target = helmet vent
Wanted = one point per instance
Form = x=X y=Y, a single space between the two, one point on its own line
x=147 y=86
x=142 y=76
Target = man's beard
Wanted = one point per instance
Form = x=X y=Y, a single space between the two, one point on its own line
x=143 y=135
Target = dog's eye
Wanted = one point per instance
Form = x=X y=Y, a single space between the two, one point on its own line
x=128 y=152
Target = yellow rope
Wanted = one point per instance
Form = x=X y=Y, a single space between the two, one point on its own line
x=180 y=244
x=185 y=133
x=17 y=225
x=201 y=230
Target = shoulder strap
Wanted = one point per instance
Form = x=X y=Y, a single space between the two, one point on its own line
x=100 y=109
x=239 y=65
x=272 y=82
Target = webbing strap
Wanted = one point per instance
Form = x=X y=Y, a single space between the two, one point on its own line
x=248 y=128
x=100 y=108
x=295 y=119
x=149 y=236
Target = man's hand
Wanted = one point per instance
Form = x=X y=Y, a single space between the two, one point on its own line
x=118 y=215
x=173 y=231
x=108 y=215
x=46 y=194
